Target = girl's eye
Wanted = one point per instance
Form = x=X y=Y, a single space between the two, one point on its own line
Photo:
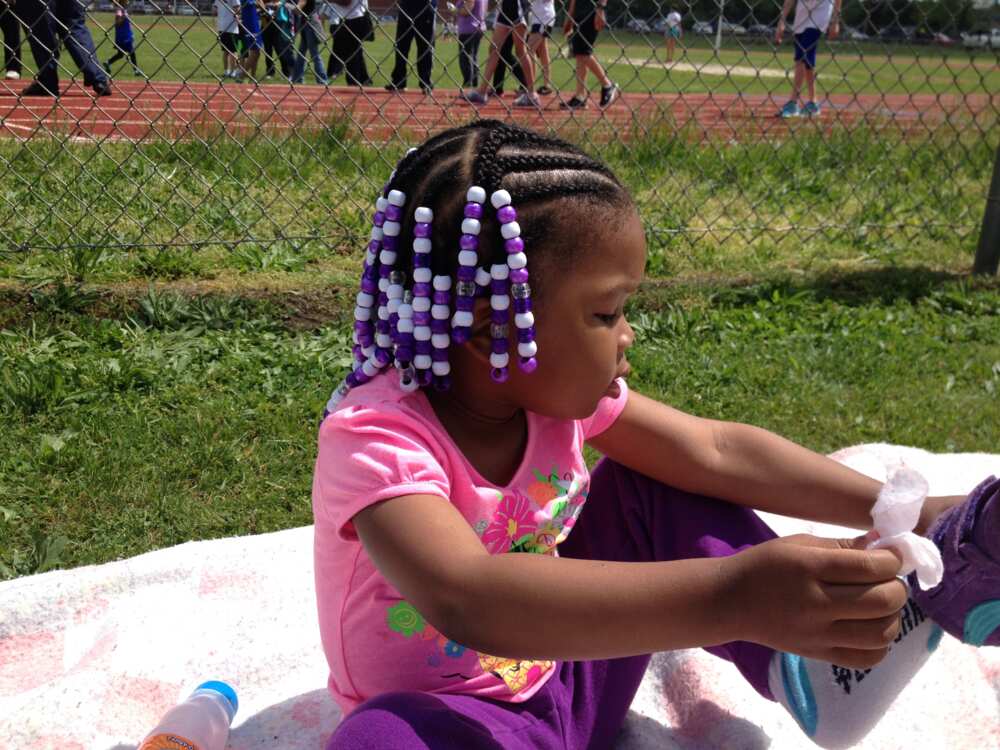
x=608 y=318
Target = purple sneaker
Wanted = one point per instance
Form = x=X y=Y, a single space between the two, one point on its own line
x=967 y=601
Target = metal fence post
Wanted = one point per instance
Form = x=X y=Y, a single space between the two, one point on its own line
x=988 y=253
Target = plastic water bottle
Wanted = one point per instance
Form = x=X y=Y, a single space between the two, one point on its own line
x=199 y=723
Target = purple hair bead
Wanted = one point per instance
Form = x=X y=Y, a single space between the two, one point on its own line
x=498 y=374
x=506 y=215
x=439 y=355
x=469 y=242
x=424 y=347
x=460 y=335
x=528 y=364
x=514 y=245
x=393 y=212
x=422 y=289
x=374 y=245
x=422 y=229
x=466 y=273
x=442 y=382
x=441 y=298
x=499 y=286
x=500 y=346
x=422 y=318
x=473 y=210
x=390 y=243
x=522 y=305
x=524 y=335
x=369 y=286
x=519 y=275
x=464 y=303
x=378 y=219
x=440 y=326
x=424 y=377
x=421 y=260
x=382 y=357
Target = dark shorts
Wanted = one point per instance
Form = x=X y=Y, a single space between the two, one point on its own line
x=250 y=27
x=805 y=47
x=510 y=13
x=584 y=36
x=545 y=29
x=228 y=41
x=125 y=45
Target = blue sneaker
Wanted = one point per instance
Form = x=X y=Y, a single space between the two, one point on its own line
x=791 y=109
x=812 y=109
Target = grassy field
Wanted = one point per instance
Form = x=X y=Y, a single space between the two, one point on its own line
x=152 y=397
x=178 y=47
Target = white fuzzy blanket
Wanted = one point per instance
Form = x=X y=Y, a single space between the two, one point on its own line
x=91 y=657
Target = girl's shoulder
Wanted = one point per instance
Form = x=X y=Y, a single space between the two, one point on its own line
x=382 y=403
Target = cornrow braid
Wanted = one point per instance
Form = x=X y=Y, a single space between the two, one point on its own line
x=476 y=244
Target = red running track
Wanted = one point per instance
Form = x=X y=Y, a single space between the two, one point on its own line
x=142 y=111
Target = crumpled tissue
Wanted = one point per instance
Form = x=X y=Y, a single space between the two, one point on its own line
x=896 y=513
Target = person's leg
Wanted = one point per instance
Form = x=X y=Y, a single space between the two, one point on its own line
x=71 y=20
x=319 y=72
x=357 y=68
x=527 y=68
x=336 y=63
x=119 y=54
x=671 y=43
x=505 y=60
x=270 y=48
x=11 y=29
x=810 y=76
x=36 y=17
x=542 y=50
x=581 y=77
x=500 y=34
x=299 y=73
x=286 y=52
x=465 y=60
x=424 y=29
x=404 y=37
x=135 y=63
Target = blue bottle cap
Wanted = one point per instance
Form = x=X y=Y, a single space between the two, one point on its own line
x=225 y=691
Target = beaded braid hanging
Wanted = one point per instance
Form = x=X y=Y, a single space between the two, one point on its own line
x=517 y=277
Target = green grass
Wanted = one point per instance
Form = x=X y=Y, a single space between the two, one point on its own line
x=178 y=47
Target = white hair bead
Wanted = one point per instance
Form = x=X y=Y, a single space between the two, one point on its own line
x=500 y=198
x=440 y=312
x=410 y=150
x=441 y=368
x=421 y=245
x=395 y=292
x=422 y=361
x=440 y=340
x=483 y=277
x=475 y=194
x=383 y=284
x=499 y=271
x=408 y=385
x=462 y=318
x=387 y=257
x=471 y=226
x=422 y=333
x=422 y=275
x=370 y=257
x=377 y=233
x=423 y=215
x=369 y=368
x=467 y=258
x=442 y=283
x=406 y=310
x=384 y=340
x=393 y=306
x=369 y=351
x=354 y=338
x=405 y=325
x=527 y=348
x=510 y=230
x=391 y=228
x=362 y=313
x=397 y=197
x=365 y=300
x=381 y=204
x=517 y=260
x=499 y=359
x=421 y=304
x=524 y=320
x=383 y=313
x=499 y=301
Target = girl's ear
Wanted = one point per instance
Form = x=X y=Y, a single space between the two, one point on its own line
x=480 y=340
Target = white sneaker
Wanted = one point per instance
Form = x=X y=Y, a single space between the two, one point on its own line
x=12 y=75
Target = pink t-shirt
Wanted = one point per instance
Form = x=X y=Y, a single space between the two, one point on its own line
x=383 y=443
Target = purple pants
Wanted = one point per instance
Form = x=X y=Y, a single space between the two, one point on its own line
x=628 y=518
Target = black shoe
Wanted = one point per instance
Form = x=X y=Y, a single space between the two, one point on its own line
x=428 y=90
x=574 y=103
x=36 y=88
x=102 y=88
x=609 y=94
x=394 y=88
x=544 y=91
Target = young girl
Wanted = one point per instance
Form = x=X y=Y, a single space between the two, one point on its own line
x=124 y=41
x=478 y=589
x=510 y=21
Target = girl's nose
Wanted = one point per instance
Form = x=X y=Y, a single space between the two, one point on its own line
x=627 y=337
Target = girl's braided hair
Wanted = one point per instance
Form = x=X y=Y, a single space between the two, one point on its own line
x=529 y=170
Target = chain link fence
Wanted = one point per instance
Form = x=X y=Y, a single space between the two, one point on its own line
x=262 y=130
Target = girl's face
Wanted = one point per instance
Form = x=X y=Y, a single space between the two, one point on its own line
x=580 y=325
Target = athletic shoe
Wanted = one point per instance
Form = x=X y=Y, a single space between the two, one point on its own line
x=812 y=109
x=474 y=97
x=427 y=90
x=36 y=88
x=791 y=109
x=102 y=88
x=967 y=601
x=394 y=88
x=527 y=100
x=544 y=91
x=574 y=103
x=609 y=94
x=138 y=73
x=12 y=75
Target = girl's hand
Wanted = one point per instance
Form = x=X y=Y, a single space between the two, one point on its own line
x=599 y=20
x=826 y=599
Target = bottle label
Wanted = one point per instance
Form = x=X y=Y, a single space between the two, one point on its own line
x=167 y=742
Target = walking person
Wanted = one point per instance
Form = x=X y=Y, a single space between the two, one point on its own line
x=584 y=21
x=124 y=41
x=470 y=25
x=10 y=27
x=672 y=31
x=510 y=22
x=812 y=19
x=229 y=35
x=311 y=36
x=48 y=25
x=414 y=22
x=253 y=40
x=279 y=38
x=348 y=39
x=543 y=20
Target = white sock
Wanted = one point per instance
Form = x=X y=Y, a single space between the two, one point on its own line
x=837 y=706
